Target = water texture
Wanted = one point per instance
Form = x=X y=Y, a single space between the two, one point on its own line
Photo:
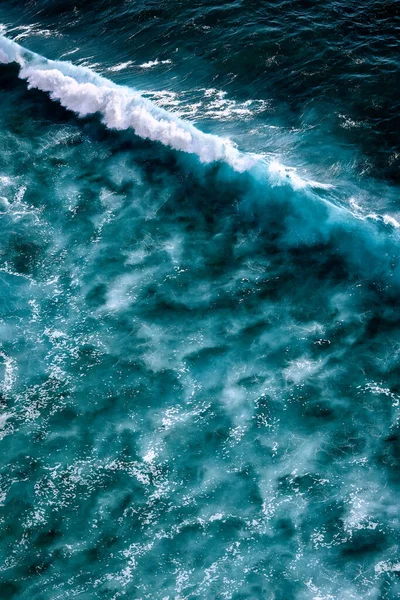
x=199 y=316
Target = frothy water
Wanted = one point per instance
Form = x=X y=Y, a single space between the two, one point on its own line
x=199 y=378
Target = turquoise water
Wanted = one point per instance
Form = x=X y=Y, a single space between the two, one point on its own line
x=199 y=336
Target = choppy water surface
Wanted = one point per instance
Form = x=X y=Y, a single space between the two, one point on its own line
x=199 y=318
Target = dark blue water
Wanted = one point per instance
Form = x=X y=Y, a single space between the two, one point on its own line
x=199 y=318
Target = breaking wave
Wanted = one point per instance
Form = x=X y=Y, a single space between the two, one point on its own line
x=316 y=216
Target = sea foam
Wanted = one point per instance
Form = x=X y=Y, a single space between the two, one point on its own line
x=81 y=90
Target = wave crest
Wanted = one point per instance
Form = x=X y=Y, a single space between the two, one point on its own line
x=81 y=90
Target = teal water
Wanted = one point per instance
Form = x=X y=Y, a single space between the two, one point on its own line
x=200 y=393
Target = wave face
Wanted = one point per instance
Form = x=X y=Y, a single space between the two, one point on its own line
x=200 y=393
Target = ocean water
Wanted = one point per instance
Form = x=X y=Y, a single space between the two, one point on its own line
x=199 y=317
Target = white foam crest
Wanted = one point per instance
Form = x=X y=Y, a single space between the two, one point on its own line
x=358 y=211
x=123 y=109
x=279 y=173
x=83 y=91
x=386 y=219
